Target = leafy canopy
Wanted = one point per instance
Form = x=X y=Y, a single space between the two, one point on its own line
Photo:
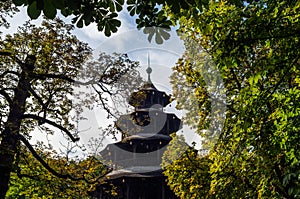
x=255 y=46
x=103 y=13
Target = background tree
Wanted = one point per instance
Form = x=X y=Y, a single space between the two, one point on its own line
x=42 y=71
x=255 y=47
x=27 y=182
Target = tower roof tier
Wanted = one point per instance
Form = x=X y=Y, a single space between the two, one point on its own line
x=135 y=152
x=148 y=122
x=143 y=136
x=148 y=96
x=132 y=172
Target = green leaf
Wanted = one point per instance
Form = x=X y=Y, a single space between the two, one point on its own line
x=150 y=31
x=80 y=23
x=114 y=29
x=111 y=6
x=49 y=9
x=158 y=39
x=113 y=15
x=64 y=12
x=116 y=22
x=100 y=26
x=164 y=34
x=40 y=4
x=60 y=4
x=107 y=31
x=131 y=10
x=87 y=18
x=19 y=2
x=32 y=11
x=119 y=5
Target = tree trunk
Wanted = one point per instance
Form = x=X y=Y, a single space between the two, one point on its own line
x=10 y=140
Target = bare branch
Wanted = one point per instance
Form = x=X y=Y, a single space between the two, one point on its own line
x=5 y=53
x=107 y=109
x=38 y=158
x=44 y=120
x=103 y=88
x=9 y=72
x=39 y=99
x=63 y=77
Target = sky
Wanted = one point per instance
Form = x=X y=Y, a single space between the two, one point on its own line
x=134 y=43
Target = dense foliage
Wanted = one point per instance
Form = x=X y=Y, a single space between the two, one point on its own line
x=255 y=46
x=188 y=176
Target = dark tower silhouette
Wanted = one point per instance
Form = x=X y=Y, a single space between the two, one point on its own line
x=136 y=159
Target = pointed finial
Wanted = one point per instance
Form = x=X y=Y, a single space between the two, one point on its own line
x=149 y=69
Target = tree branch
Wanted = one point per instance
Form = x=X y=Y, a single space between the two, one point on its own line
x=63 y=77
x=103 y=88
x=103 y=103
x=9 y=72
x=51 y=170
x=5 y=53
x=38 y=118
x=39 y=99
x=38 y=158
x=9 y=54
x=6 y=96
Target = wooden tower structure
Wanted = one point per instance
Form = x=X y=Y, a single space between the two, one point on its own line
x=136 y=159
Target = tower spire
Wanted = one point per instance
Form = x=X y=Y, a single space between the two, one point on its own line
x=149 y=69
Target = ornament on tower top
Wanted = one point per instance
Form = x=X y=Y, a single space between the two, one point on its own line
x=149 y=69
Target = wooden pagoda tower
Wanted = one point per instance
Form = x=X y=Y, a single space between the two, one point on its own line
x=136 y=159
